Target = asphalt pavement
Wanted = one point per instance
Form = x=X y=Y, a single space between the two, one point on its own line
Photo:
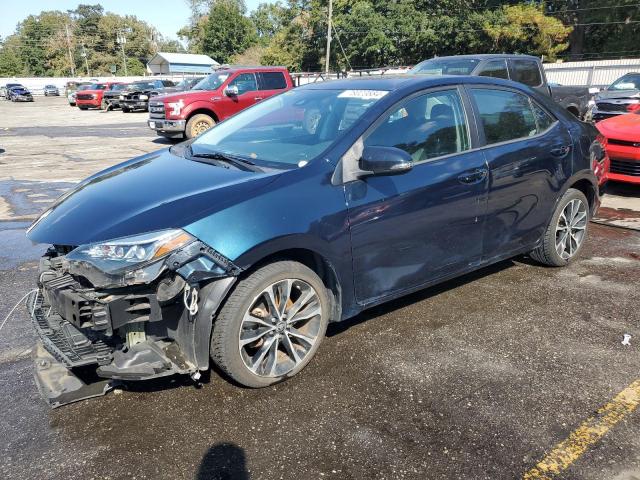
x=494 y=375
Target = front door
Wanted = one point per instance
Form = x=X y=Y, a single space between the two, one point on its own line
x=413 y=228
x=247 y=95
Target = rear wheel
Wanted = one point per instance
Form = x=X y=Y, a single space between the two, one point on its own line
x=567 y=231
x=125 y=109
x=198 y=124
x=271 y=325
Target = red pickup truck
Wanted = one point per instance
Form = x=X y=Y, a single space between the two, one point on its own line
x=92 y=97
x=216 y=97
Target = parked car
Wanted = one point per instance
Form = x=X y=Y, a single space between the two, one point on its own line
x=19 y=94
x=137 y=95
x=619 y=98
x=72 y=88
x=622 y=143
x=242 y=244
x=7 y=87
x=112 y=96
x=218 y=96
x=51 y=90
x=93 y=96
x=181 y=86
x=519 y=68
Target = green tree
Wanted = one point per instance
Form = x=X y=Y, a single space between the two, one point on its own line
x=10 y=62
x=227 y=31
x=269 y=19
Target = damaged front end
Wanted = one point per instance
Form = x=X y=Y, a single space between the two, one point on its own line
x=125 y=311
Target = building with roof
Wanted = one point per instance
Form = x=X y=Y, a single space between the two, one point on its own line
x=180 y=63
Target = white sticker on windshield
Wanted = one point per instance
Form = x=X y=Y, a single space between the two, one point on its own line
x=364 y=94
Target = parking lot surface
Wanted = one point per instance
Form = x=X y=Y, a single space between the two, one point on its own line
x=498 y=374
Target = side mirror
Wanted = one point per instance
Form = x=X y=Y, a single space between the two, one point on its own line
x=231 y=91
x=384 y=161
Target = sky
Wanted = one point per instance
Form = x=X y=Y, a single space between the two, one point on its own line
x=168 y=16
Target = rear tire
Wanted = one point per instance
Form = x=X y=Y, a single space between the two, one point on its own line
x=565 y=235
x=125 y=110
x=262 y=336
x=198 y=124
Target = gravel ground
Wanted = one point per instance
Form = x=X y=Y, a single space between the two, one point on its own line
x=476 y=378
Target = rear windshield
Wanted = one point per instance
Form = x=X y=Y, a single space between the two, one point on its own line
x=628 y=82
x=453 y=66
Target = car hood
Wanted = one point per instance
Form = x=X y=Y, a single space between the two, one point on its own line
x=153 y=192
x=610 y=94
x=186 y=95
x=20 y=91
x=622 y=127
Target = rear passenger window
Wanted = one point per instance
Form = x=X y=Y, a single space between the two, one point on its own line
x=506 y=115
x=272 y=81
x=525 y=71
x=495 y=69
x=425 y=127
x=543 y=119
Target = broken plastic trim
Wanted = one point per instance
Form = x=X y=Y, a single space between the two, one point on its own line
x=197 y=262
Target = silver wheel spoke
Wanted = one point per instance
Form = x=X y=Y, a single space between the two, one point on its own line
x=262 y=352
x=291 y=349
x=300 y=302
x=570 y=228
x=256 y=336
x=306 y=314
x=297 y=334
x=273 y=357
x=248 y=318
x=271 y=301
x=284 y=292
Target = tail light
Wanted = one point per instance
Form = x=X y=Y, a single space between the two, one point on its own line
x=634 y=107
x=598 y=155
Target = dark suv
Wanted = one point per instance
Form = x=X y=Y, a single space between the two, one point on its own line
x=241 y=245
x=137 y=94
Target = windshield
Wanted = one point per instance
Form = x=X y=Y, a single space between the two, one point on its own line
x=628 y=82
x=290 y=129
x=211 y=82
x=85 y=87
x=118 y=86
x=435 y=66
x=142 y=85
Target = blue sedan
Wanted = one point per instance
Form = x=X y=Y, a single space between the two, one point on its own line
x=241 y=245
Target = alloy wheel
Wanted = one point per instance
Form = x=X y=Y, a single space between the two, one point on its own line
x=280 y=327
x=570 y=231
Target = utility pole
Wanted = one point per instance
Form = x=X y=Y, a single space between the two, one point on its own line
x=122 y=39
x=326 y=62
x=86 y=61
x=71 y=60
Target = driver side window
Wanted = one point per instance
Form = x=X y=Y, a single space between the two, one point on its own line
x=428 y=126
x=246 y=82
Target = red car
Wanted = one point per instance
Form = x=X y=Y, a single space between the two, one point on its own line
x=623 y=147
x=92 y=97
x=216 y=97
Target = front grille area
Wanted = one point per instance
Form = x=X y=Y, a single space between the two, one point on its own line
x=156 y=110
x=613 y=107
x=84 y=96
x=624 y=143
x=64 y=341
x=625 y=167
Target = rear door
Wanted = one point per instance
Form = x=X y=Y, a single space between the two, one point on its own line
x=527 y=71
x=270 y=83
x=529 y=157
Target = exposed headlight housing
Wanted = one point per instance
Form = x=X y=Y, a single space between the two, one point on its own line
x=121 y=97
x=144 y=97
x=126 y=261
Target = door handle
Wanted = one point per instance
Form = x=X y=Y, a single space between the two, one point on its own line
x=561 y=150
x=473 y=176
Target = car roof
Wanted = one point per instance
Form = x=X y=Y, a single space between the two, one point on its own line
x=406 y=82
x=484 y=56
x=256 y=68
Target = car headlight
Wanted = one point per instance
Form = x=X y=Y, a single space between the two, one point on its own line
x=176 y=107
x=128 y=260
x=144 y=97
x=121 y=97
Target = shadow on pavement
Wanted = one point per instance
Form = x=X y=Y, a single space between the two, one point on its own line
x=224 y=461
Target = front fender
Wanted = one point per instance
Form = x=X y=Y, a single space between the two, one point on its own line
x=199 y=105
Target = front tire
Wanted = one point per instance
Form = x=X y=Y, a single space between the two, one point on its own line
x=271 y=325
x=567 y=231
x=198 y=124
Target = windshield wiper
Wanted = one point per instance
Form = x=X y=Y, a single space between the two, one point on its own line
x=239 y=162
